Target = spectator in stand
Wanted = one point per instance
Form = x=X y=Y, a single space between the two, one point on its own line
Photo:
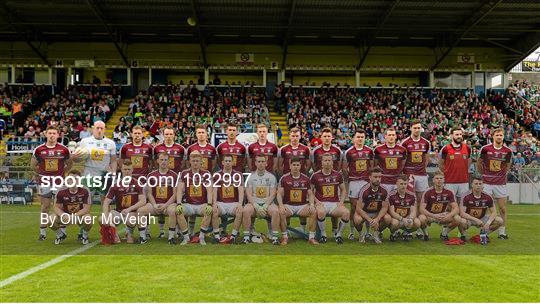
x=519 y=161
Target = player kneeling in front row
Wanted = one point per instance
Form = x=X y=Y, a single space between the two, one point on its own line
x=161 y=192
x=127 y=201
x=72 y=206
x=261 y=191
x=228 y=197
x=474 y=212
x=402 y=209
x=434 y=207
x=295 y=198
x=195 y=198
x=372 y=208
x=330 y=193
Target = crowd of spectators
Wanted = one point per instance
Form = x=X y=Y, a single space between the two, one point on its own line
x=183 y=107
x=17 y=102
x=73 y=110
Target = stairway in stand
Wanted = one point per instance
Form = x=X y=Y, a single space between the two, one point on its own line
x=275 y=117
x=120 y=112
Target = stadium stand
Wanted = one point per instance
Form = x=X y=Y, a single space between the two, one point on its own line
x=183 y=107
x=72 y=110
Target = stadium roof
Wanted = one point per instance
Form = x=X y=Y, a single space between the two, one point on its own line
x=513 y=25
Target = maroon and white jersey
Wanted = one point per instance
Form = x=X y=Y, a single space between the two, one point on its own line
x=226 y=191
x=319 y=151
x=327 y=186
x=358 y=162
x=177 y=154
x=295 y=190
x=166 y=184
x=372 y=198
x=496 y=163
x=194 y=190
x=269 y=150
x=402 y=204
x=51 y=160
x=73 y=202
x=238 y=152
x=437 y=202
x=125 y=197
x=208 y=153
x=288 y=151
x=390 y=160
x=140 y=157
x=477 y=206
x=417 y=155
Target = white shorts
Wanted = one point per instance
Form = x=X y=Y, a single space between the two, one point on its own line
x=47 y=192
x=227 y=208
x=460 y=190
x=389 y=187
x=355 y=187
x=329 y=207
x=496 y=191
x=421 y=183
x=295 y=209
x=190 y=209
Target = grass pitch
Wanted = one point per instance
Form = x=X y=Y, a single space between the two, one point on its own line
x=503 y=271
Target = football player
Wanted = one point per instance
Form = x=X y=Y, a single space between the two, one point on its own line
x=402 y=209
x=372 y=208
x=162 y=197
x=477 y=209
x=228 y=197
x=390 y=157
x=127 y=201
x=72 y=204
x=295 y=198
x=49 y=160
x=195 y=197
x=417 y=160
x=494 y=163
x=261 y=191
x=330 y=193
x=357 y=163
x=263 y=147
x=233 y=147
x=439 y=206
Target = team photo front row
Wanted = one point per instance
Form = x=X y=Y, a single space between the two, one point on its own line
x=260 y=195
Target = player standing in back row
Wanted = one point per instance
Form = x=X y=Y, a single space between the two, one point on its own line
x=494 y=162
x=263 y=147
x=357 y=163
x=391 y=159
x=294 y=150
x=206 y=150
x=455 y=160
x=417 y=159
x=140 y=154
x=49 y=160
x=326 y=148
x=176 y=152
x=234 y=148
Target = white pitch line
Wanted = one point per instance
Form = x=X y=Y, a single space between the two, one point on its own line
x=47 y=264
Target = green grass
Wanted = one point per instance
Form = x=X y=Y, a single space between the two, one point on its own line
x=506 y=271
